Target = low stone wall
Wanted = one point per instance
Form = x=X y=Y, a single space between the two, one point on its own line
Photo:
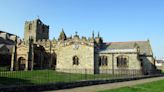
x=78 y=71
x=57 y=86
x=103 y=71
x=121 y=72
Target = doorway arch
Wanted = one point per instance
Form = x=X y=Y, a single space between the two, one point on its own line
x=21 y=63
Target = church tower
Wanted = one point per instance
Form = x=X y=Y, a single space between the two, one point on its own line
x=36 y=30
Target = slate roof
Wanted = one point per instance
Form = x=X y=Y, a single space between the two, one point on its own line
x=7 y=42
x=144 y=46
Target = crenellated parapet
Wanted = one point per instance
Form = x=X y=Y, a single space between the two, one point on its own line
x=76 y=40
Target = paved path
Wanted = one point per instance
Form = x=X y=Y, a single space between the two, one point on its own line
x=96 y=88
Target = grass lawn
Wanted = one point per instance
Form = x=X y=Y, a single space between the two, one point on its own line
x=157 y=86
x=44 y=77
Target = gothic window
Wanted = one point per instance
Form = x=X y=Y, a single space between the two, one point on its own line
x=122 y=61
x=30 y=26
x=103 y=61
x=75 y=60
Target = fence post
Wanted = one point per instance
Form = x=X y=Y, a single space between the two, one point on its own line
x=85 y=74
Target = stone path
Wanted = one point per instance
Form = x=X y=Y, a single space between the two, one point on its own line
x=96 y=88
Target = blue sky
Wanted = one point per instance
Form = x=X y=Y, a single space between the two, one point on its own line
x=116 y=20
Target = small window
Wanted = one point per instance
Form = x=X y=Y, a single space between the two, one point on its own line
x=75 y=60
x=141 y=59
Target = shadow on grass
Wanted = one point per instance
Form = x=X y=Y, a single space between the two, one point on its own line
x=6 y=82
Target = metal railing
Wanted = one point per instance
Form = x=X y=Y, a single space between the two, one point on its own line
x=41 y=77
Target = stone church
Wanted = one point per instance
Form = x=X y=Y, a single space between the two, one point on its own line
x=76 y=53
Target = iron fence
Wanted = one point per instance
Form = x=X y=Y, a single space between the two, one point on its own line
x=41 y=77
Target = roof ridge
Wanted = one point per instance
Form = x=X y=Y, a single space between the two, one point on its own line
x=124 y=42
x=7 y=32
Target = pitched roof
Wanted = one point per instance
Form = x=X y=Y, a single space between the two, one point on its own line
x=6 y=32
x=145 y=47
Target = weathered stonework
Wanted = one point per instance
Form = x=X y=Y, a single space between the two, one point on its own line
x=36 y=30
x=80 y=55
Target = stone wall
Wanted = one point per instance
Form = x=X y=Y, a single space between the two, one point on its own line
x=65 y=56
x=133 y=63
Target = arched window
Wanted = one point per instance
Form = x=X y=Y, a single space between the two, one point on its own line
x=103 y=61
x=122 y=61
x=75 y=60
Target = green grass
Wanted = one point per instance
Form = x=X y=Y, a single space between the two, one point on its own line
x=157 y=86
x=44 y=77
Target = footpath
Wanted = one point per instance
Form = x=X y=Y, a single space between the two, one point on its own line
x=96 y=88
